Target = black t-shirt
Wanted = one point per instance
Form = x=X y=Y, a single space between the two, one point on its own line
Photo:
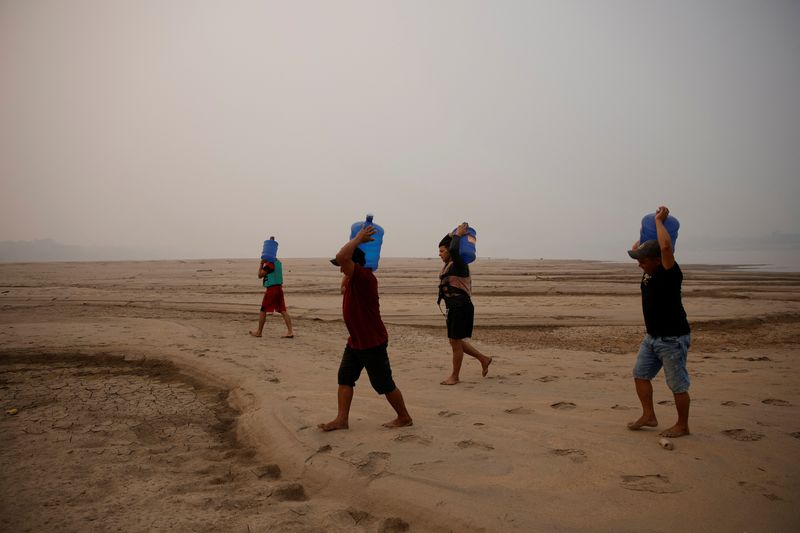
x=664 y=315
x=455 y=285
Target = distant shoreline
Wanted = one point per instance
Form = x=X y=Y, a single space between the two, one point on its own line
x=750 y=267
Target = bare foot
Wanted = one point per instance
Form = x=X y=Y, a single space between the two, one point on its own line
x=486 y=366
x=449 y=381
x=399 y=423
x=333 y=425
x=643 y=422
x=254 y=334
x=675 y=431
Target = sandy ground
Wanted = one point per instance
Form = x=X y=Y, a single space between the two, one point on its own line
x=142 y=404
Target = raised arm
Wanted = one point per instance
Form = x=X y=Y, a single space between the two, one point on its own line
x=345 y=255
x=455 y=244
x=664 y=240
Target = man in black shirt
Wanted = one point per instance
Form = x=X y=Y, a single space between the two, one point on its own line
x=455 y=288
x=668 y=337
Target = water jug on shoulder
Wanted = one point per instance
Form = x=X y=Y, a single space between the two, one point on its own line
x=270 y=250
x=466 y=246
x=372 y=250
x=648 y=230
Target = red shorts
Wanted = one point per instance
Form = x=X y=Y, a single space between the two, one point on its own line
x=273 y=300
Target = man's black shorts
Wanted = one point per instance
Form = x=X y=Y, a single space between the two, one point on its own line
x=459 y=321
x=375 y=360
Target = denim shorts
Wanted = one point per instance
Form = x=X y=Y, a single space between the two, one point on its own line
x=669 y=352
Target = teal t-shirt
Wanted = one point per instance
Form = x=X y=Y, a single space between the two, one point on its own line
x=274 y=276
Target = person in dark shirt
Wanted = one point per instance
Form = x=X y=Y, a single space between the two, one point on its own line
x=668 y=337
x=455 y=288
x=366 y=346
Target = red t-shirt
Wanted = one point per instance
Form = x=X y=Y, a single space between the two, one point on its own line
x=361 y=310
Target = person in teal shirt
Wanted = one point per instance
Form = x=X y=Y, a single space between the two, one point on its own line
x=272 y=274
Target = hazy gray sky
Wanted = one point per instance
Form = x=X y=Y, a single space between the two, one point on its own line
x=200 y=128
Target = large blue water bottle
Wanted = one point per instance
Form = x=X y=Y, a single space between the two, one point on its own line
x=649 y=233
x=372 y=250
x=270 y=250
x=466 y=246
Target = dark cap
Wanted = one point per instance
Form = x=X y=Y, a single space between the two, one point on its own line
x=649 y=248
x=358 y=258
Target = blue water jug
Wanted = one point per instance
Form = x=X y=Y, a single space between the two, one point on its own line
x=270 y=250
x=372 y=250
x=648 y=231
x=466 y=246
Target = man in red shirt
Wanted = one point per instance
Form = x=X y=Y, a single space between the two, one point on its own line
x=366 y=346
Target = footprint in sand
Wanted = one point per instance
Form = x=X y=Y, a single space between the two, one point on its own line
x=576 y=456
x=666 y=402
x=424 y=465
x=734 y=404
x=448 y=414
x=743 y=435
x=547 y=379
x=469 y=443
x=290 y=492
x=518 y=411
x=754 y=487
x=563 y=405
x=750 y=486
x=796 y=434
x=270 y=471
x=740 y=371
x=657 y=483
x=593 y=375
x=375 y=464
x=410 y=437
x=762 y=358
x=394 y=525
x=619 y=407
x=773 y=401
